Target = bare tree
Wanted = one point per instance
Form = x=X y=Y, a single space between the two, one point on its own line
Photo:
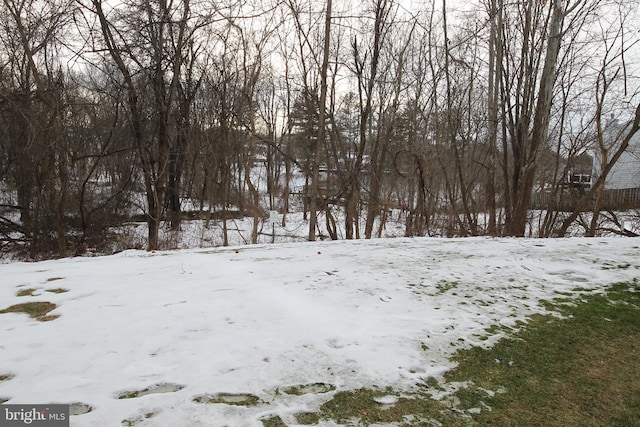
x=391 y=89
x=366 y=63
x=33 y=96
x=495 y=52
x=157 y=53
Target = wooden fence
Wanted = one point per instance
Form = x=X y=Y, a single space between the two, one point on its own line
x=615 y=200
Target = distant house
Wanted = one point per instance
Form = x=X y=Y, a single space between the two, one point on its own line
x=579 y=180
x=625 y=174
x=622 y=185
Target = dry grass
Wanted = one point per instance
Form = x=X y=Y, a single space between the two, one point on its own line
x=57 y=290
x=37 y=310
x=25 y=292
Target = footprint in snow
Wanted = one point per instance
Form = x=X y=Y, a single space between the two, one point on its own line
x=157 y=388
x=138 y=419
x=314 y=388
x=236 y=399
x=338 y=343
x=387 y=401
x=79 y=408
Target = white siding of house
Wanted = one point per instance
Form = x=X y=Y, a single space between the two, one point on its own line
x=626 y=172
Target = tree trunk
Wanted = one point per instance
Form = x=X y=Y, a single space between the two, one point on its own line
x=495 y=76
x=313 y=205
x=525 y=171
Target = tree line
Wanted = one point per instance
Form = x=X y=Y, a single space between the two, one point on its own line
x=458 y=112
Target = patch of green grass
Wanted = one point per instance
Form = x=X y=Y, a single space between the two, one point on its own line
x=37 y=310
x=26 y=292
x=274 y=421
x=496 y=329
x=609 y=266
x=577 y=369
x=348 y=406
x=566 y=294
x=432 y=382
x=307 y=418
x=128 y=395
x=444 y=286
x=580 y=370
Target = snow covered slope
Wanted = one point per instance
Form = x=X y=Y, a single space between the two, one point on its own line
x=149 y=338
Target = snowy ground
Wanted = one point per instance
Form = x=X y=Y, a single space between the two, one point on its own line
x=195 y=234
x=259 y=319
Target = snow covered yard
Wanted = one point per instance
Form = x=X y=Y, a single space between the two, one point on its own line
x=153 y=339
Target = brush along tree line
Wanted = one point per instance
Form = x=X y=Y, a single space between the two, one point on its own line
x=456 y=115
